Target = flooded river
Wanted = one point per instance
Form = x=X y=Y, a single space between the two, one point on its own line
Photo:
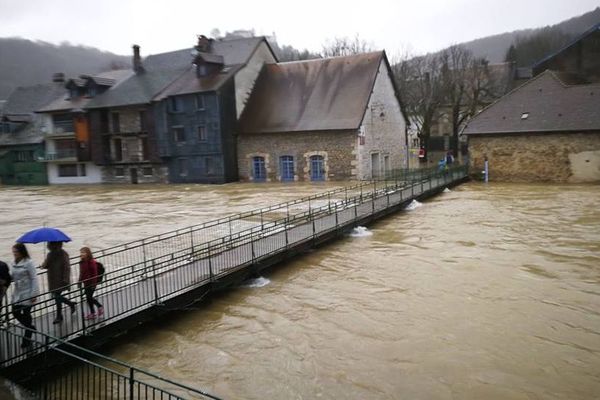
x=484 y=292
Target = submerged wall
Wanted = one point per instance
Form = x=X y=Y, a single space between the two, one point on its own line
x=556 y=157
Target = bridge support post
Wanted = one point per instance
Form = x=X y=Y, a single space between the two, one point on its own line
x=131 y=383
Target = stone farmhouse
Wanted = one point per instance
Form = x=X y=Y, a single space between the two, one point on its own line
x=325 y=119
x=547 y=129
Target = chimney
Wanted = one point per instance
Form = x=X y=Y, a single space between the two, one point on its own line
x=204 y=44
x=58 y=77
x=138 y=68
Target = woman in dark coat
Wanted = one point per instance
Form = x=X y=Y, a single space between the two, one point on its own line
x=59 y=277
x=88 y=276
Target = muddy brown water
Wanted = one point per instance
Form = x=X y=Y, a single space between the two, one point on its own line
x=485 y=292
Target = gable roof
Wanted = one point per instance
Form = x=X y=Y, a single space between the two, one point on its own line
x=550 y=105
x=321 y=94
x=165 y=69
x=63 y=103
x=27 y=99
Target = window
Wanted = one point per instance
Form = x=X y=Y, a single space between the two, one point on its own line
x=175 y=104
x=145 y=151
x=178 y=133
x=317 y=171
x=259 y=172
x=104 y=121
x=142 y=116
x=24 y=156
x=119 y=172
x=92 y=91
x=147 y=171
x=286 y=163
x=67 y=170
x=202 y=133
x=62 y=123
x=116 y=124
x=199 y=102
x=375 y=166
x=118 y=150
x=182 y=166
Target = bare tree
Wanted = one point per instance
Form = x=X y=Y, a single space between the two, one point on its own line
x=467 y=86
x=344 y=46
x=419 y=82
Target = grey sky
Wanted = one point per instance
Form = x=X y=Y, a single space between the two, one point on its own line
x=157 y=26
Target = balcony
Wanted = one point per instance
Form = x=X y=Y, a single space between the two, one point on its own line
x=127 y=159
x=59 y=155
x=62 y=129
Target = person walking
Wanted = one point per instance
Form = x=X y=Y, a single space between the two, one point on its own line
x=26 y=290
x=5 y=280
x=88 y=276
x=59 y=277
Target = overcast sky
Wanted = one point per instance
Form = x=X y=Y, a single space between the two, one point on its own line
x=158 y=26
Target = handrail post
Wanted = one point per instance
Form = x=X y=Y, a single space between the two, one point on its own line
x=210 y=270
x=154 y=283
x=82 y=301
x=131 y=383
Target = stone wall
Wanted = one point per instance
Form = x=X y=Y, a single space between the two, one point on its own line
x=123 y=173
x=336 y=147
x=556 y=157
x=129 y=119
x=384 y=131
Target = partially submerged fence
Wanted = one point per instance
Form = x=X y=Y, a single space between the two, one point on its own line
x=90 y=375
x=146 y=273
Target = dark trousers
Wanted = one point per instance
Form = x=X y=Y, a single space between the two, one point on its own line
x=89 y=297
x=59 y=299
x=23 y=315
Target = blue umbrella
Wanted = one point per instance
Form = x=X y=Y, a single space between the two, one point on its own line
x=44 y=235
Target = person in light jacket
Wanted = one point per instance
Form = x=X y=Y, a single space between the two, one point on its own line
x=25 y=291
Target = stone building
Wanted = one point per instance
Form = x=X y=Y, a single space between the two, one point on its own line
x=325 y=119
x=548 y=129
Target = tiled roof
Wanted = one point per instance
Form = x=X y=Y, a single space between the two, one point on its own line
x=63 y=103
x=542 y=104
x=27 y=99
x=188 y=82
x=322 y=94
x=173 y=67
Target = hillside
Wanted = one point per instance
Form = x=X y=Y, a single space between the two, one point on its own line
x=23 y=62
x=494 y=47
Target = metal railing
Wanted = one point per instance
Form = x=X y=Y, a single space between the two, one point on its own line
x=60 y=155
x=146 y=273
x=92 y=375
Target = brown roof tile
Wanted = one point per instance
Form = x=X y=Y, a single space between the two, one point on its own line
x=322 y=94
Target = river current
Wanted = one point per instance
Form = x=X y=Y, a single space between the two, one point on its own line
x=482 y=292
